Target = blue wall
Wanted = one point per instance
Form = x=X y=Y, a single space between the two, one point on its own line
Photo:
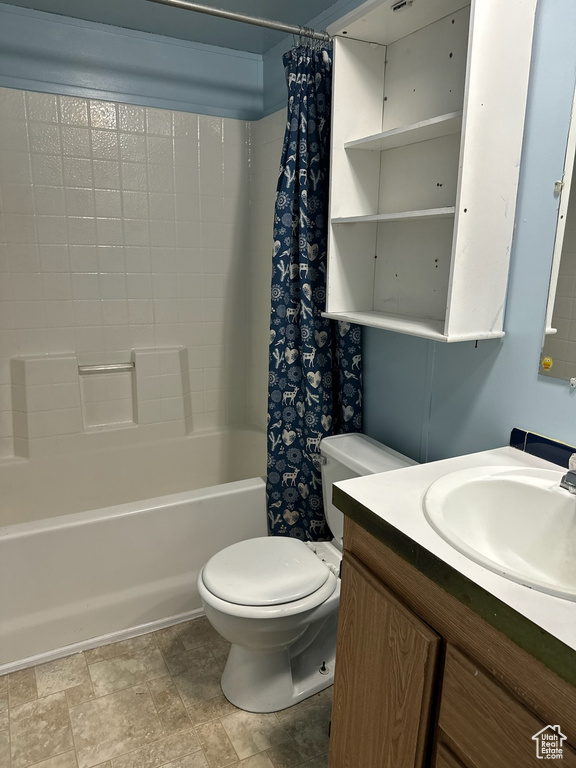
x=435 y=400
x=57 y=54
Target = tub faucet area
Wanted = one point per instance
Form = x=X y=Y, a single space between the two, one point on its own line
x=568 y=482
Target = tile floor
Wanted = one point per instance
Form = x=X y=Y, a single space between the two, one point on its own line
x=148 y=702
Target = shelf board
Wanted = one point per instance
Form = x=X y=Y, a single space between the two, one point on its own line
x=429 y=213
x=434 y=128
x=423 y=327
x=414 y=326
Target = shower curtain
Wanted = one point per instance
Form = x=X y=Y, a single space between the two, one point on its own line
x=315 y=368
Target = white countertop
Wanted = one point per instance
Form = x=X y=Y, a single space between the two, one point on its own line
x=397 y=497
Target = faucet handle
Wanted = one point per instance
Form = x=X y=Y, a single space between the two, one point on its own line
x=572 y=462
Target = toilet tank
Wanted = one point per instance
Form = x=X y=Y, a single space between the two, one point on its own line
x=353 y=455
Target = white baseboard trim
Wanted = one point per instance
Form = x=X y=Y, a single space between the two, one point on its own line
x=96 y=642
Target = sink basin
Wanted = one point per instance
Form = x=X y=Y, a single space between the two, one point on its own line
x=515 y=521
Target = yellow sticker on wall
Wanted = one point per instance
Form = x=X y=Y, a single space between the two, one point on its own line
x=547 y=363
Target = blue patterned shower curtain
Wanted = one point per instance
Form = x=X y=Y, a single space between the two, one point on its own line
x=315 y=371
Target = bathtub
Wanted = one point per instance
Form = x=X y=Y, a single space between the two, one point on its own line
x=104 y=545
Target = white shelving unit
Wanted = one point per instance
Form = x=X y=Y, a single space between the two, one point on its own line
x=428 y=118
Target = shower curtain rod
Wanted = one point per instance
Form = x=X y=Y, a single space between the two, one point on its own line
x=290 y=29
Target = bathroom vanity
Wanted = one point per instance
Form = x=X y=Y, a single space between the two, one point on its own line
x=441 y=662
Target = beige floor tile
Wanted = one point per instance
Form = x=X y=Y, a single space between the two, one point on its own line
x=197 y=632
x=22 y=687
x=66 y=760
x=39 y=730
x=220 y=649
x=5 y=749
x=159 y=752
x=199 y=659
x=147 y=694
x=168 y=703
x=196 y=760
x=284 y=755
x=251 y=733
x=312 y=740
x=195 y=688
x=216 y=745
x=211 y=709
x=3 y=704
x=79 y=694
x=118 y=649
x=110 y=675
x=257 y=761
x=322 y=761
x=307 y=724
x=168 y=640
x=113 y=725
x=64 y=673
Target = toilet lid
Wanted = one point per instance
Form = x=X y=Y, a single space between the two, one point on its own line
x=264 y=571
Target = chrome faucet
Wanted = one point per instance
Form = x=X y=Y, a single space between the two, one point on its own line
x=568 y=482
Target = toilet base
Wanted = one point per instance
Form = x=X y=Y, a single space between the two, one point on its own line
x=264 y=681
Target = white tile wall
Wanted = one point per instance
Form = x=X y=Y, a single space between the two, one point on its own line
x=59 y=409
x=162 y=388
x=46 y=402
x=124 y=227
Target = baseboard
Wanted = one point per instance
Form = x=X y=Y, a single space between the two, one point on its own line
x=95 y=642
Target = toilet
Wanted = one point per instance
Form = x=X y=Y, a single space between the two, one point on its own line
x=275 y=599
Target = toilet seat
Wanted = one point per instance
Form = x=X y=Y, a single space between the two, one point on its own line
x=265 y=571
x=286 y=560
x=330 y=588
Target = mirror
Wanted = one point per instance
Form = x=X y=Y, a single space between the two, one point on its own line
x=558 y=358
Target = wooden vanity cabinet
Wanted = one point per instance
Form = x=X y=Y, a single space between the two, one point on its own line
x=421 y=680
x=483 y=722
x=385 y=651
x=445 y=758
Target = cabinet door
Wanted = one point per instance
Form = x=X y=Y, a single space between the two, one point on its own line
x=485 y=724
x=445 y=759
x=384 y=679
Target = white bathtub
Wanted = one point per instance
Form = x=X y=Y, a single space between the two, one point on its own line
x=101 y=546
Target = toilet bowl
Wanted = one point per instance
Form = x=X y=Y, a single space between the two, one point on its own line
x=276 y=599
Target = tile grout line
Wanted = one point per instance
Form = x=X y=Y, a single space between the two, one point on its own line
x=68 y=713
x=164 y=655
x=9 y=725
